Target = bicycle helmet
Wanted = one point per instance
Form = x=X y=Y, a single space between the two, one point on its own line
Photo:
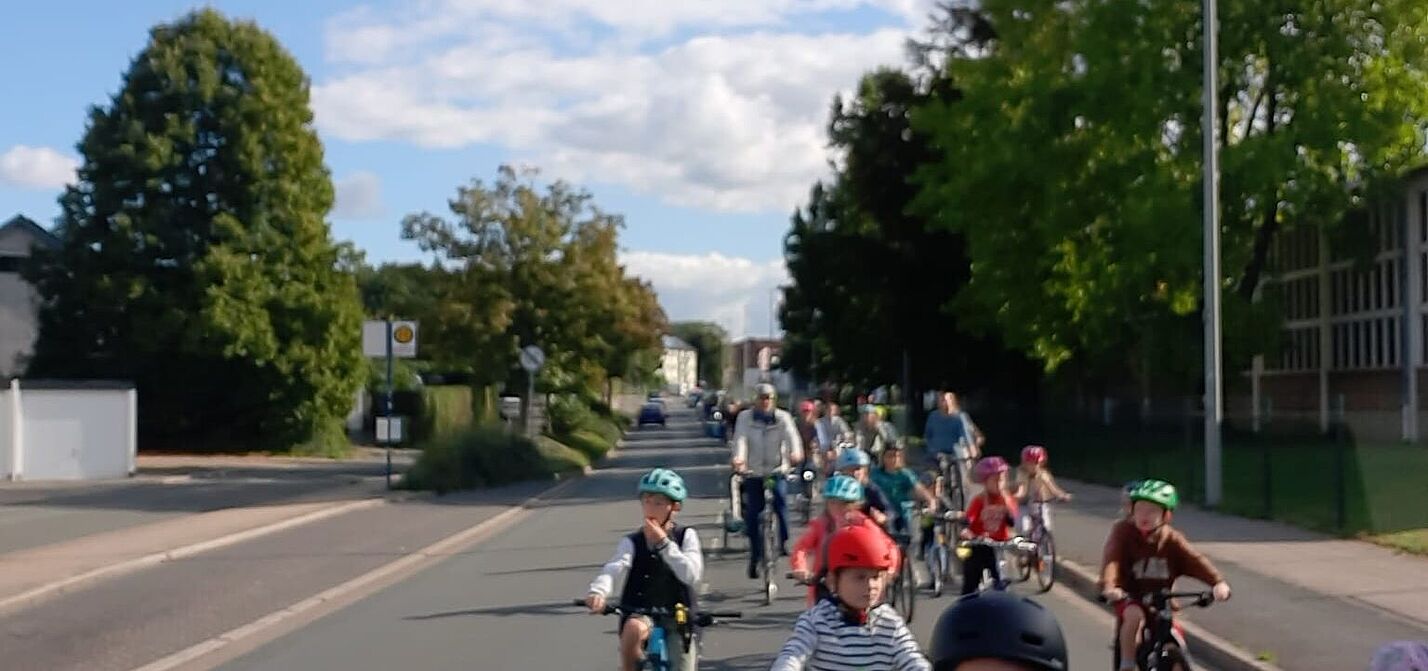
x=998 y=625
x=664 y=481
x=1033 y=454
x=860 y=545
x=853 y=458
x=843 y=488
x=988 y=467
x=899 y=444
x=868 y=409
x=1400 y=656
x=805 y=406
x=1129 y=486
x=1156 y=491
x=765 y=389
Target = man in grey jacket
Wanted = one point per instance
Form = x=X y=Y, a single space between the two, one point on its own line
x=766 y=442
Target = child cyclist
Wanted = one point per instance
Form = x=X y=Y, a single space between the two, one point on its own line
x=1036 y=487
x=842 y=497
x=660 y=564
x=854 y=463
x=901 y=486
x=849 y=630
x=992 y=515
x=1144 y=554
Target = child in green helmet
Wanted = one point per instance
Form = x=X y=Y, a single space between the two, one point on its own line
x=1143 y=555
x=659 y=564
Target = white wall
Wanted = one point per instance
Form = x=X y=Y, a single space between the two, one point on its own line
x=680 y=368
x=7 y=429
x=71 y=433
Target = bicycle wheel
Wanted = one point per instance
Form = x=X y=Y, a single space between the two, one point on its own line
x=770 y=557
x=937 y=567
x=957 y=495
x=906 y=589
x=1045 y=561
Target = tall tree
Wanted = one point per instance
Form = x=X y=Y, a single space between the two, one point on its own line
x=1072 y=162
x=195 y=256
x=710 y=340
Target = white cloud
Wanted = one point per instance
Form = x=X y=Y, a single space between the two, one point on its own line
x=708 y=104
x=733 y=292
x=36 y=167
x=359 y=196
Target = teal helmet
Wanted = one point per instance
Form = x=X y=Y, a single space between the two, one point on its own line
x=843 y=488
x=666 y=482
x=853 y=458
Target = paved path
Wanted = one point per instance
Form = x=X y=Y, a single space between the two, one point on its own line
x=1303 y=600
x=503 y=604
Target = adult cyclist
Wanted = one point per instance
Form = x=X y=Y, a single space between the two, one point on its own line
x=766 y=442
x=949 y=430
x=873 y=434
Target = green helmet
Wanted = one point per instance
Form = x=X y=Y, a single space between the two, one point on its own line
x=1156 y=491
x=664 y=481
x=843 y=488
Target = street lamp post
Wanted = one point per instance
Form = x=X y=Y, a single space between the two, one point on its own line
x=1214 y=395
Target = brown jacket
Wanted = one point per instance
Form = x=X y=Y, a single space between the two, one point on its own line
x=1140 y=565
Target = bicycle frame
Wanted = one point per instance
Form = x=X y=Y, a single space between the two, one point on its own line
x=686 y=622
x=1157 y=631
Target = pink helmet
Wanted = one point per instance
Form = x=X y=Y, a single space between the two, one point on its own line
x=988 y=467
x=1400 y=656
x=805 y=406
x=1033 y=454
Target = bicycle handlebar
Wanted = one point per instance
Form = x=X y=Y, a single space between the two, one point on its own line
x=797 y=580
x=1017 y=543
x=702 y=618
x=1160 y=598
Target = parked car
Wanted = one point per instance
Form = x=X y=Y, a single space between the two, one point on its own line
x=652 y=413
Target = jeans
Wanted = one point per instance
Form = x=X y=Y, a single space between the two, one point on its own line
x=753 y=503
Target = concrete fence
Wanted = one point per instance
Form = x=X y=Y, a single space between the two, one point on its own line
x=67 y=430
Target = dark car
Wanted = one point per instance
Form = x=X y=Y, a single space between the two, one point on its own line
x=652 y=413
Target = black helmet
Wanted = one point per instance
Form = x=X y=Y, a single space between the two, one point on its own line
x=998 y=625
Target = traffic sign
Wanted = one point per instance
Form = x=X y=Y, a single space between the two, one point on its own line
x=403 y=338
x=532 y=358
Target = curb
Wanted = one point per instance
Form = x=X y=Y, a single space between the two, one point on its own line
x=1204 y=646
x=229 y=645
x=36 y=595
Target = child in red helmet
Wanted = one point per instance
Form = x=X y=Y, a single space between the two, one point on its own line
x=1036 y=487
x=991 y=514
x=851 y=630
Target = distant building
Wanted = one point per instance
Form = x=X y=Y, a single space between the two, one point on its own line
x=1353 y=337
x=679 y=365
x=754 y=360
x=18 y=300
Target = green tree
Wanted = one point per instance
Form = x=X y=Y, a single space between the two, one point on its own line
x=195 y=258
x=1071 y=161
x=710 y=340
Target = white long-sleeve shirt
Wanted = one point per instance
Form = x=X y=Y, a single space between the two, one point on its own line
x=767 y=447
x=686 y=561
x=822 y=641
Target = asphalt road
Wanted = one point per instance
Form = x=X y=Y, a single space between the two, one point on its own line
x=503 y=604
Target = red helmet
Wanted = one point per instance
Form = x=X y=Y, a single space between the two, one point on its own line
x=1033 y=454
x=805 y=406
x=860 y=545
x=988 y=467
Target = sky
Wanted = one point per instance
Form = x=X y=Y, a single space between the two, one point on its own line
x=701 y=121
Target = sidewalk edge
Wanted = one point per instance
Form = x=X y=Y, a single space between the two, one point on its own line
x=57 y=588
x=1204 y=645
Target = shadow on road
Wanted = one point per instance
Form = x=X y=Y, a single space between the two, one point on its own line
x=549 y=608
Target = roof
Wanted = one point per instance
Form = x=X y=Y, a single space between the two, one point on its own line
x=38 y=232
x=673 y=342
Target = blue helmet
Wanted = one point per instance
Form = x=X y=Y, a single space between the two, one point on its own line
x=666 y=482
x=853 y=458
x=843 y=488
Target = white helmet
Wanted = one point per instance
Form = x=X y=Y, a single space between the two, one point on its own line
x=765 y=389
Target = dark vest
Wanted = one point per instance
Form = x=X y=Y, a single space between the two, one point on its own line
x=651 y=583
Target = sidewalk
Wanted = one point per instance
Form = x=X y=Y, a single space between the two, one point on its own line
x=1302 y=600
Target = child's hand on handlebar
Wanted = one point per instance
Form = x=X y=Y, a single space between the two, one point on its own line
x=595 y=602
x=1221 y=591
x=1113 y=595
x=801 y=575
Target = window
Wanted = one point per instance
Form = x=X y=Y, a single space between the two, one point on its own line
x=10 y=264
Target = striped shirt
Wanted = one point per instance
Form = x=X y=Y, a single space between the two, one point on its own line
x=822 y=641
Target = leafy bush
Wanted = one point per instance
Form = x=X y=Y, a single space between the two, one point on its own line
x=486 y=456
x=592 y=445
x=568 y=413
x=445 y=410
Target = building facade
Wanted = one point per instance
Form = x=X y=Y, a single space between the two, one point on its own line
x=679 y=365
x=18 y=300
x=1353 y=346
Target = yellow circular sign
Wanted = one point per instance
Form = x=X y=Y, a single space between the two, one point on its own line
x=403 y=334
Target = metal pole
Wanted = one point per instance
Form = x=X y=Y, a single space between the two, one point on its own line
x=387 y=411
x=1214 y=395
x=530 y=401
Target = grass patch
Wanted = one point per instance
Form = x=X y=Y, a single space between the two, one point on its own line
x=1413 y=541
x=592 y=445
x=486 y=456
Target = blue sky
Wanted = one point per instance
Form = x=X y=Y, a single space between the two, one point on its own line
x=699 y=120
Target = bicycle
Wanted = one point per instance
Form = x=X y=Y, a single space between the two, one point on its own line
x=1043 y=560
x=1017 y=544
x=807 y=483
x=943 y=563
x=768 y=528
x=731 y=519
x=902 y=593
x=687 y=624
x=948 y=483
x=1161 y=646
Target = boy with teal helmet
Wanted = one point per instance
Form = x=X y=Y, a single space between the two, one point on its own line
x=1143 y=555
x=659 y=564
